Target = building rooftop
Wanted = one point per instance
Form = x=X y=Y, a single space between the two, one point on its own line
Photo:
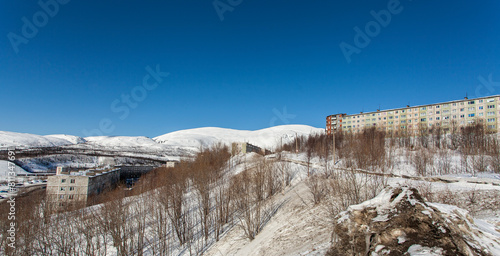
x=418 y=106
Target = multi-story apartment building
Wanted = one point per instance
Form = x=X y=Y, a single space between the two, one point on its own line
x=72 y=189
x=445 y=115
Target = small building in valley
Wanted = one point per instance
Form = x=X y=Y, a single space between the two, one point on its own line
x=245 y=147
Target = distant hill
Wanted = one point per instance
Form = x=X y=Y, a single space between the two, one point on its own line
x=191 y=139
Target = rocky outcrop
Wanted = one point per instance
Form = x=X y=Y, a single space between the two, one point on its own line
x=399 y=222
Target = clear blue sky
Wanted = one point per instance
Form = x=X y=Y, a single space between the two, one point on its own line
x=239 y=72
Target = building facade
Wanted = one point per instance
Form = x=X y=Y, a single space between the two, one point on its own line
x=244 y=147
x=72 y=189
x=446 y=115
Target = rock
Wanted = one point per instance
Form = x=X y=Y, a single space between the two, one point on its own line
x=399 y=222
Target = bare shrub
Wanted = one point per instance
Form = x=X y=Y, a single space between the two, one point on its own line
x=317 y=187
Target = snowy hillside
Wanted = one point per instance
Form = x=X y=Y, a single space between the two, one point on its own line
x=14 y=139
x=267 y=138
x=123 y=141
x=5 y=168
x=191 y=139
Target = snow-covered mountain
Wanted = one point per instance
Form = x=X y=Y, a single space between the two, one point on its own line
x=267 y=138
x=14 y=139
x=191 y=139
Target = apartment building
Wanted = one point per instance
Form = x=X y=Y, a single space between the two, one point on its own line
x=69 y=189
x=410 y=119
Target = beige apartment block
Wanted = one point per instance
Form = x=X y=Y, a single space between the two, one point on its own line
x=446 y=115
x=72 y=189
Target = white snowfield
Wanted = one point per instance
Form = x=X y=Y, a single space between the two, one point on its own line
x=192 y=139
x=25 y=140
x=267 y=138
x=6 y=167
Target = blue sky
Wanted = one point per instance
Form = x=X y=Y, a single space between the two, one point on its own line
x=241 y=72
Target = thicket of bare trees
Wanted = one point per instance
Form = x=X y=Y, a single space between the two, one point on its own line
x=185 y=208
x=252 y=193
x=430 y=150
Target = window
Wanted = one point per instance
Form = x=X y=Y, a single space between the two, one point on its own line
x=491 y=106
x=471 y=109
x=437 y=112
x=480 y=101
x=71 y=197
x=63 y=180
x=72 y=181
x=454 y=104
x=480 y=107
x=491 y=126
x=71 y=188
x=446 y=117
x=430 y=119
x=437 y=118
x=480 y=114
x=437 y=106
x=423 y=114
x=491 y=120
x=62 y=188
x=470 y=102
x=490 y=113
x=471 y=115
x=423 y=108
x=462 y=109
x=61 y=196
x=462 y=116
x=422 y=120
x=490 y=100
x=454 y=116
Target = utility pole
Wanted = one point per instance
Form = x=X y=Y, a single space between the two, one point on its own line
x=333 y=133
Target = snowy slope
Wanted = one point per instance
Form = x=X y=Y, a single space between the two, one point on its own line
x=191 y=139
x=122 y=141
x=14 y=139
x=267 y=138
x=4 y=169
